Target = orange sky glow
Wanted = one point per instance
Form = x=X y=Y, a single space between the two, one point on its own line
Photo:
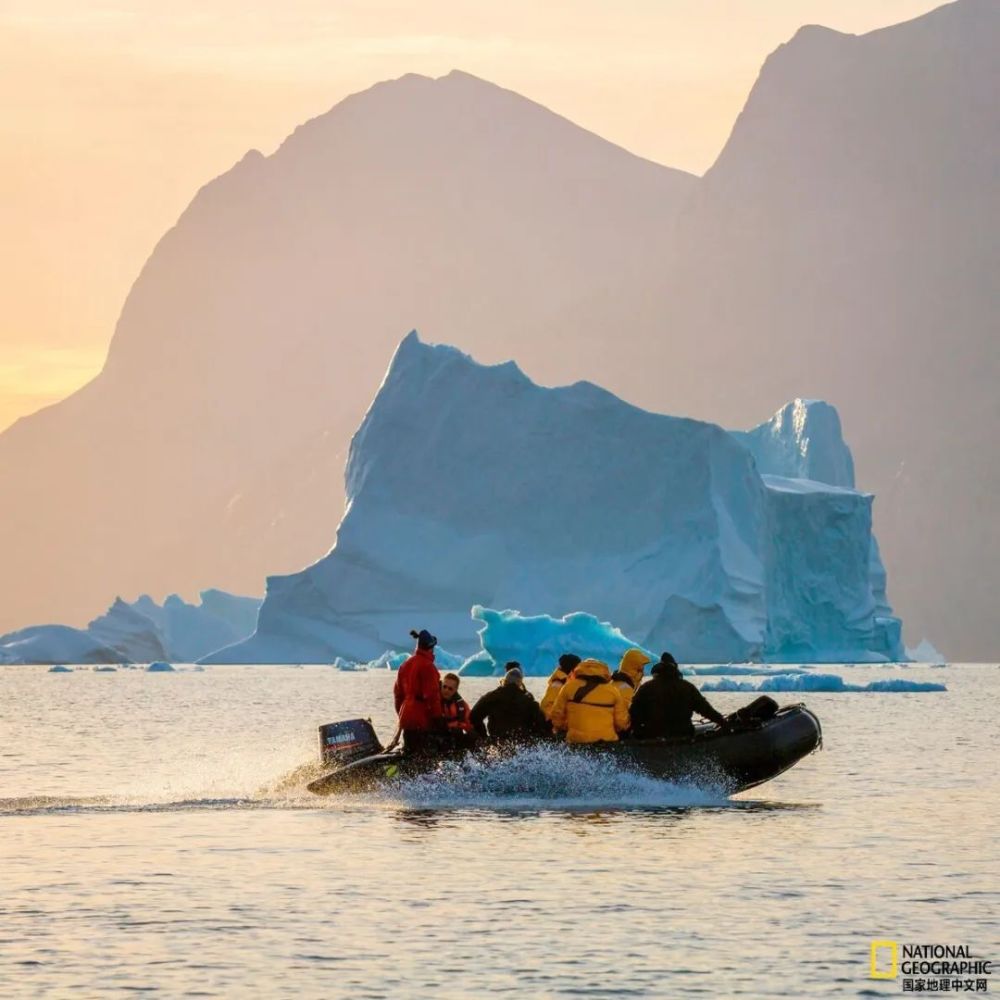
x=114 y=114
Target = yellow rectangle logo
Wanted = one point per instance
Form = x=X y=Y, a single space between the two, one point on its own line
x=893 y=949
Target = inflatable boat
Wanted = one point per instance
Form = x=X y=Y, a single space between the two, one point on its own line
x=763 y=741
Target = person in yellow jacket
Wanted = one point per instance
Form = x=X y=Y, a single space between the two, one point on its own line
x=628 y=676
x=568 y=662
x=589 y=707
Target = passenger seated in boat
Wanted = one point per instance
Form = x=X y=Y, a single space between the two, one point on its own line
x=589 y=708
x=662 y=707
x=628 y=676
x=568 y=662
x=507 y=668
x=457 y=716
x=510 y=711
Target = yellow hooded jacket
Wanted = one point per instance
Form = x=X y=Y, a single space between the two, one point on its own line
x=629 y=674
x=589 y=707
x=556 y=682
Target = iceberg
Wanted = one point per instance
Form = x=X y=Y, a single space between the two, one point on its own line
x=537 y=641
x=924 y=652
x=394 y=659
x=740 y=670
x=504 y=494
x=55 y=644
x=159 y=667
x=193 y=630
x=141 y=632
x=819 y=682
x=130 y=632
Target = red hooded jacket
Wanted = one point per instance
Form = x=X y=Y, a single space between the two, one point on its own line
x=418 y=692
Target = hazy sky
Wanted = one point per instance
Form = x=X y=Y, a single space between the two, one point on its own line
x=114 y=114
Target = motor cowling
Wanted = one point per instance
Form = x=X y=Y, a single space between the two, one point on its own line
x=343 y=742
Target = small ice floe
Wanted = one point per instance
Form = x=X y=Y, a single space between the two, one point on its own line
x=819 y=682
x=348 y=665
x=160 y=667
x=107 y=669
x=739 y=669
x=60 y=669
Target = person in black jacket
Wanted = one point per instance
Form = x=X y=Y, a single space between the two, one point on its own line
x=512 y=713
x=663 y=706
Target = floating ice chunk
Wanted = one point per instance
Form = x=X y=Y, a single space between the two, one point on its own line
x=349 y=667
x=389 y=660
x=900 y=685
x=537 y=641
x=740 y=669
x=60 y=669
x=160 y=667
x=448 y=661
x=924 y=652
x=819 y=682
x=480 y=665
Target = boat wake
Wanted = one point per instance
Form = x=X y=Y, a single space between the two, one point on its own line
x=547 y=778
x=55 y=805
x=542 y=778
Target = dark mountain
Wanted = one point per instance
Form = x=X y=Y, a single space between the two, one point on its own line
x=844 y=246
x=210 y=450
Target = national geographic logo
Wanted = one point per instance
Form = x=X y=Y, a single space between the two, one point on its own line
x=931 y=968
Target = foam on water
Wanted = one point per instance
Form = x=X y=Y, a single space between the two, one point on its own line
x=547 y=777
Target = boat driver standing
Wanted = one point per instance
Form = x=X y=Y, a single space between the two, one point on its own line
x=417 y=696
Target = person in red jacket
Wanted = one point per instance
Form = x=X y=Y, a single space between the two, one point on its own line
x=417 y=695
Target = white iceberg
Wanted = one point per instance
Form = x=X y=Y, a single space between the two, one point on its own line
x=191 y=631
x=924 y=652
x=55 y=644
x=142 y=632
x=554 y=501
x=819 y=682
x=130 y=632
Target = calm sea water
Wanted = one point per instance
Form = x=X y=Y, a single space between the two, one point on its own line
x=147 y=844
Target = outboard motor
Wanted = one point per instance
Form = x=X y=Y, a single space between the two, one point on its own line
x=342 y=742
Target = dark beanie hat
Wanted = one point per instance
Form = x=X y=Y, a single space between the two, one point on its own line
x=424 y=639
x=569 y=661
x=511 y=665
x=667 y=665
